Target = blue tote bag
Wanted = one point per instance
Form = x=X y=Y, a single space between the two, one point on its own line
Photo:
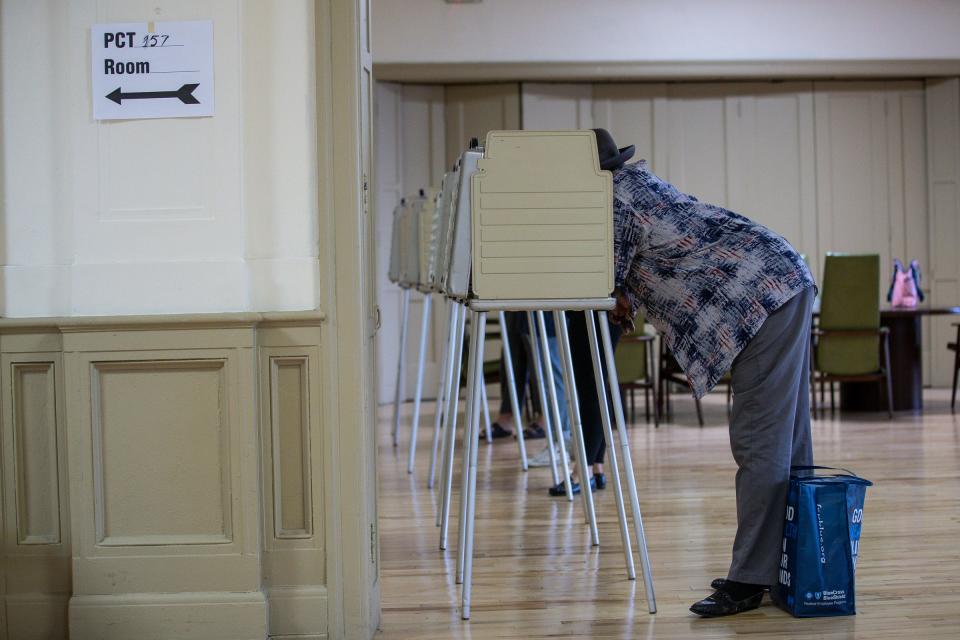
x=821 y=540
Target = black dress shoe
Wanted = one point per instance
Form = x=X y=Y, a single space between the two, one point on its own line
x=599 y=481
x=720 y=583
x=560 y=489
x=496 y=432
x=534 y=432
x=722 y=604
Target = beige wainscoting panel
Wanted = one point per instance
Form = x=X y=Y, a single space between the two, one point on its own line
x=35 y=554
x=164 y=479
x=160 y=505
x=141 y=411
x=291 y=440
x=35 y=452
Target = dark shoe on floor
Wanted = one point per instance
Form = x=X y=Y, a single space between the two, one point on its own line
x=720 y=583
x=534 y=432
x=722 y=603
x=599 y=481
x=561 y=489
x=496 y=432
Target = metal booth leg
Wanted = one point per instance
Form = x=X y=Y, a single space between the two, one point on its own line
x=404 y=315
x=576 y=426
x=486 y=406
x=418 y=390
x=470 y=441
x=443 y=389
x=542 y=389
x=554 y=406
x=512 y=389
x=470 y=463
x=450 y=430
x=614 y=385
x=611 y=449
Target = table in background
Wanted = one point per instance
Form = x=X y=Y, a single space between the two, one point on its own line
x=906 y=363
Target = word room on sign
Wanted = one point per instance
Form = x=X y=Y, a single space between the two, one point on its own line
x=152 y=70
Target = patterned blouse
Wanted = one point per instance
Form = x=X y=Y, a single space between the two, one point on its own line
x=705 y=277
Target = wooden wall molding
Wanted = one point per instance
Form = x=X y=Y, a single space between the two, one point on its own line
x=472 y=72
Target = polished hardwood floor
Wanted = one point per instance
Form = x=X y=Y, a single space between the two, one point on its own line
x=537 y=576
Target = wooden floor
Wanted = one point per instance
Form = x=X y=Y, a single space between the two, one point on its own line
x=536 y=575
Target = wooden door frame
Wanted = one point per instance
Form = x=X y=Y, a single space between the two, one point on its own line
x=349 y=455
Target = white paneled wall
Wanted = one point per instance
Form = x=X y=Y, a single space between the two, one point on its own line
x=943 y=161
x=409 y=134
x=556 y=106
x=745 y=146
x=832 y=166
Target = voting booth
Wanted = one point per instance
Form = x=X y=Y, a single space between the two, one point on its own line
x=429 y=219
x=393 y=270
x=410 y=240
x=437 y=263
x=542 y=218
x=524 y=223
x=455 y=281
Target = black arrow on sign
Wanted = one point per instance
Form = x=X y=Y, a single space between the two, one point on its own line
x=185 y=93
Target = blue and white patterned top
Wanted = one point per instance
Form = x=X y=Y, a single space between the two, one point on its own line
x=705 y=277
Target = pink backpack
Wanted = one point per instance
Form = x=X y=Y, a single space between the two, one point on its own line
x=905 y=289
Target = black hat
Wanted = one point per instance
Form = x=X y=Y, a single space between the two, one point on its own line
x=610 y=156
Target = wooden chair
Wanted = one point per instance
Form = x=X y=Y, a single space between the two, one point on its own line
x=634 y=358
x=849 y=345
x=671 y=373
x=955 y=347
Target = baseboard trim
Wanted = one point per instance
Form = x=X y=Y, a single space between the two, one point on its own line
x=159 y=616
x=35 y=615
x=297 y=612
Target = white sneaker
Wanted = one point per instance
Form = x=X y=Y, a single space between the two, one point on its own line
x=542 y=459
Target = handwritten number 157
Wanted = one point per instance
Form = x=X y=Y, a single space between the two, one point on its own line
x=154 y=40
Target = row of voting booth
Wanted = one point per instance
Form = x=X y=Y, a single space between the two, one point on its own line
x=524 y=224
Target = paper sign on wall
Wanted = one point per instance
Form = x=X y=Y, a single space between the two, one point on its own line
x=152 y=70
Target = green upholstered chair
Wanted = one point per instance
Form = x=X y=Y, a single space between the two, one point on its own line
x=634 y=358
x=849 y=345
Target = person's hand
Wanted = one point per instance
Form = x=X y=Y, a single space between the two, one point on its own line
x=621 y=314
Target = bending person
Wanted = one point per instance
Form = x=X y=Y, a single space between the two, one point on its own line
x=727 y=294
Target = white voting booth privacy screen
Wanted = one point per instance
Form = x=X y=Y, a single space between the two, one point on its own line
x=542 y=217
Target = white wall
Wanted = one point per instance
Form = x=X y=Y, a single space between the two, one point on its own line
x=158 y=216
x=431 y=31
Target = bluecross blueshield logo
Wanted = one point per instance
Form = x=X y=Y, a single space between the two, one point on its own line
x=809 y=596
x=817 y=595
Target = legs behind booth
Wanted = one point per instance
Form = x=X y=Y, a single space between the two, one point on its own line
x=586 y=384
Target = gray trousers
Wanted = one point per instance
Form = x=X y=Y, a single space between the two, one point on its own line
x=769 y=432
